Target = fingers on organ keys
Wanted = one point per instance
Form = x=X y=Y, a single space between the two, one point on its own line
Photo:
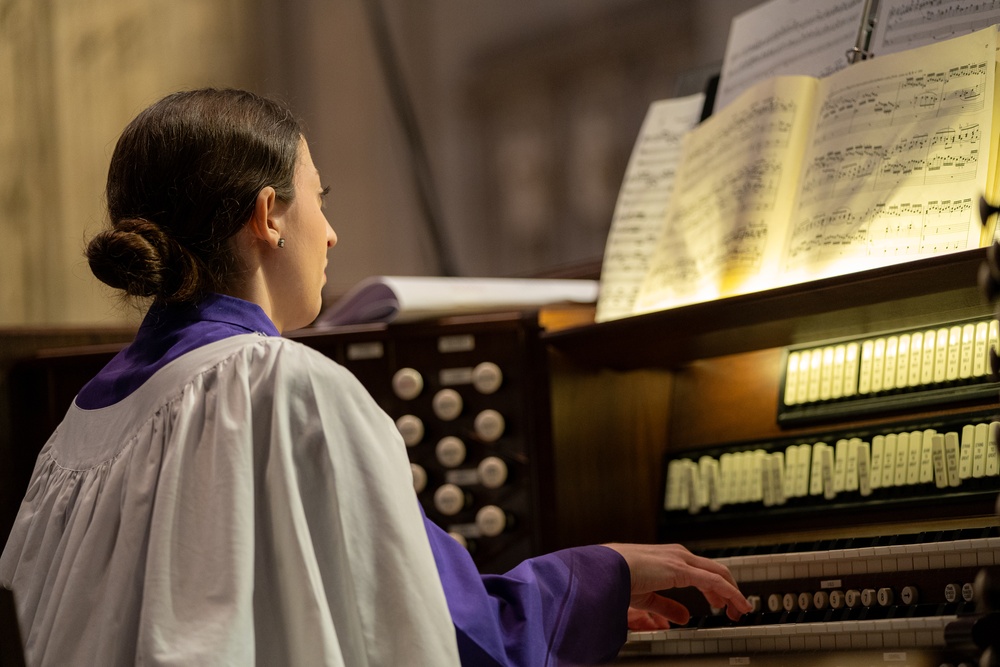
x=820 y=470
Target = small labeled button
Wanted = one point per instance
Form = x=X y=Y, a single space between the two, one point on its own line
x=909 y=595
x=885 y=597
x=449 y=499
x=450 y=451
x=447 y=404
x=492 y=472
x=491 y=520
x=487 y=377
x=489 y=425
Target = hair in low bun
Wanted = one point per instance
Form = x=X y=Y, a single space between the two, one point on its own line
x=183 y=180
x=137 y=257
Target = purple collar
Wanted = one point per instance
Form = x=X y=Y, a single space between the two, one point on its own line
x=166 y=333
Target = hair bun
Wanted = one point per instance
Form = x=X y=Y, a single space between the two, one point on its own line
x=137 y=257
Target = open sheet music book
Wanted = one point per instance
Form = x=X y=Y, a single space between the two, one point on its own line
x=800 y=178
x=407 y=298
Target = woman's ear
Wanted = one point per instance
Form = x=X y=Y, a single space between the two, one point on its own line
x=265 y=221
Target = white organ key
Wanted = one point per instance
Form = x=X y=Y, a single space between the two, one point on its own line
x=802 y=392
x=815 y=373
x=951 y=454
x=671 y=500
x=864 y=468
x=759 y=455
x=714 y=484
x=686 y=477
x=927 y=360
x=913 y=458
x=878 y=365
x=941 y=355
x=992 y=341
x=851 y=467
x=992 y=458
x=865 y=367
x=926 y=458
x=878 y=452
x=791 y=378
x=805 y=456
x=903 y=361
x=778 y=484
x=744 y=465
x=826 y=374
x=979 y=450
x=816 y=469
x=954 y=361
x=902 y=458
x=889 y=461
x=791 y=471
x=728 y=472
x=968 y=350
x=965 y=452
x=840 y=465
x=851 y=369
x=940 y=473
x=704 y=475
x=829 y=491
x=980 y=360
x=837 y=383
x=766 y=487
x=891 y=350
x=693 y=485
x=916 y=356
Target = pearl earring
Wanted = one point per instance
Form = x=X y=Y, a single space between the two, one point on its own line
x=281 y=243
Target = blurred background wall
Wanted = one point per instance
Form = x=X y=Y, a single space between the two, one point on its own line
x=528 y=111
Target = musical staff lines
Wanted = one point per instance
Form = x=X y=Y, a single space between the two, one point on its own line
x=906 y=24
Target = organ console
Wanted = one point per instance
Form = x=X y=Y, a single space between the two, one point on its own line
x=834 y=444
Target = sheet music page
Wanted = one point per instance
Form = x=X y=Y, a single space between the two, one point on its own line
x=785 y=37
x=906 y=24
x=732 y=196
x=898 y=160
x=642 y=202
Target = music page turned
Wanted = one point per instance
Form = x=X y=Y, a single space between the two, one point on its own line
x=802 y=178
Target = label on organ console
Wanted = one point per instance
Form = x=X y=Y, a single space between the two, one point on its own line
x=457 y=343
x=830 y=583
x=898 y=656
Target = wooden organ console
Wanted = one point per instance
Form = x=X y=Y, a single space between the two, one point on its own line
x=834 y=443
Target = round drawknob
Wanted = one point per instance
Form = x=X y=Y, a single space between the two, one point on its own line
x=419 y=477
x=491 y=520
x=449 y=499
x=411 y=427
x=489 y=425
x=450 y=451
x=447 y=404
x=487 y=377
x=492 y=472
x=407 y=383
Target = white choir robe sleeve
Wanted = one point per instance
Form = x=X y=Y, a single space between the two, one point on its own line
x=249 y=504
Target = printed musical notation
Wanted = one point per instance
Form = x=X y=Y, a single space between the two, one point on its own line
x=642 y=203
x=802 y=178
x=906 y=24
x=787 y=37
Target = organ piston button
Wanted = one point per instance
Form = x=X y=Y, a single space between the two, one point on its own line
x=450 y=451
x=419 y=477
x=449 y=499
x=885 y=597
x=491 y=520
x=852 y=597
x=788 y=602
x=447 y=404
x=487 y=377
x=492 y=472
x=407 y=383
x=754 y=601
x=774 y=602
x=820 y=599
x=805 y=601
x=489 y=425
x=968 y=592
x=909 y=595
x=836 y=599
x=951 y=592
x=411 y=428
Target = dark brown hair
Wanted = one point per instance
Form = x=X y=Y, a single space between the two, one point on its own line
x=183 y=180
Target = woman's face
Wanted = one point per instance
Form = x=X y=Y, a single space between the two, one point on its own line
x=307 y=236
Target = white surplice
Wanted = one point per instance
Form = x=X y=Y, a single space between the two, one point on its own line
x=248 y=504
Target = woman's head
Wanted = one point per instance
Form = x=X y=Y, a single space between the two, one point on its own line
x=183 y=181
